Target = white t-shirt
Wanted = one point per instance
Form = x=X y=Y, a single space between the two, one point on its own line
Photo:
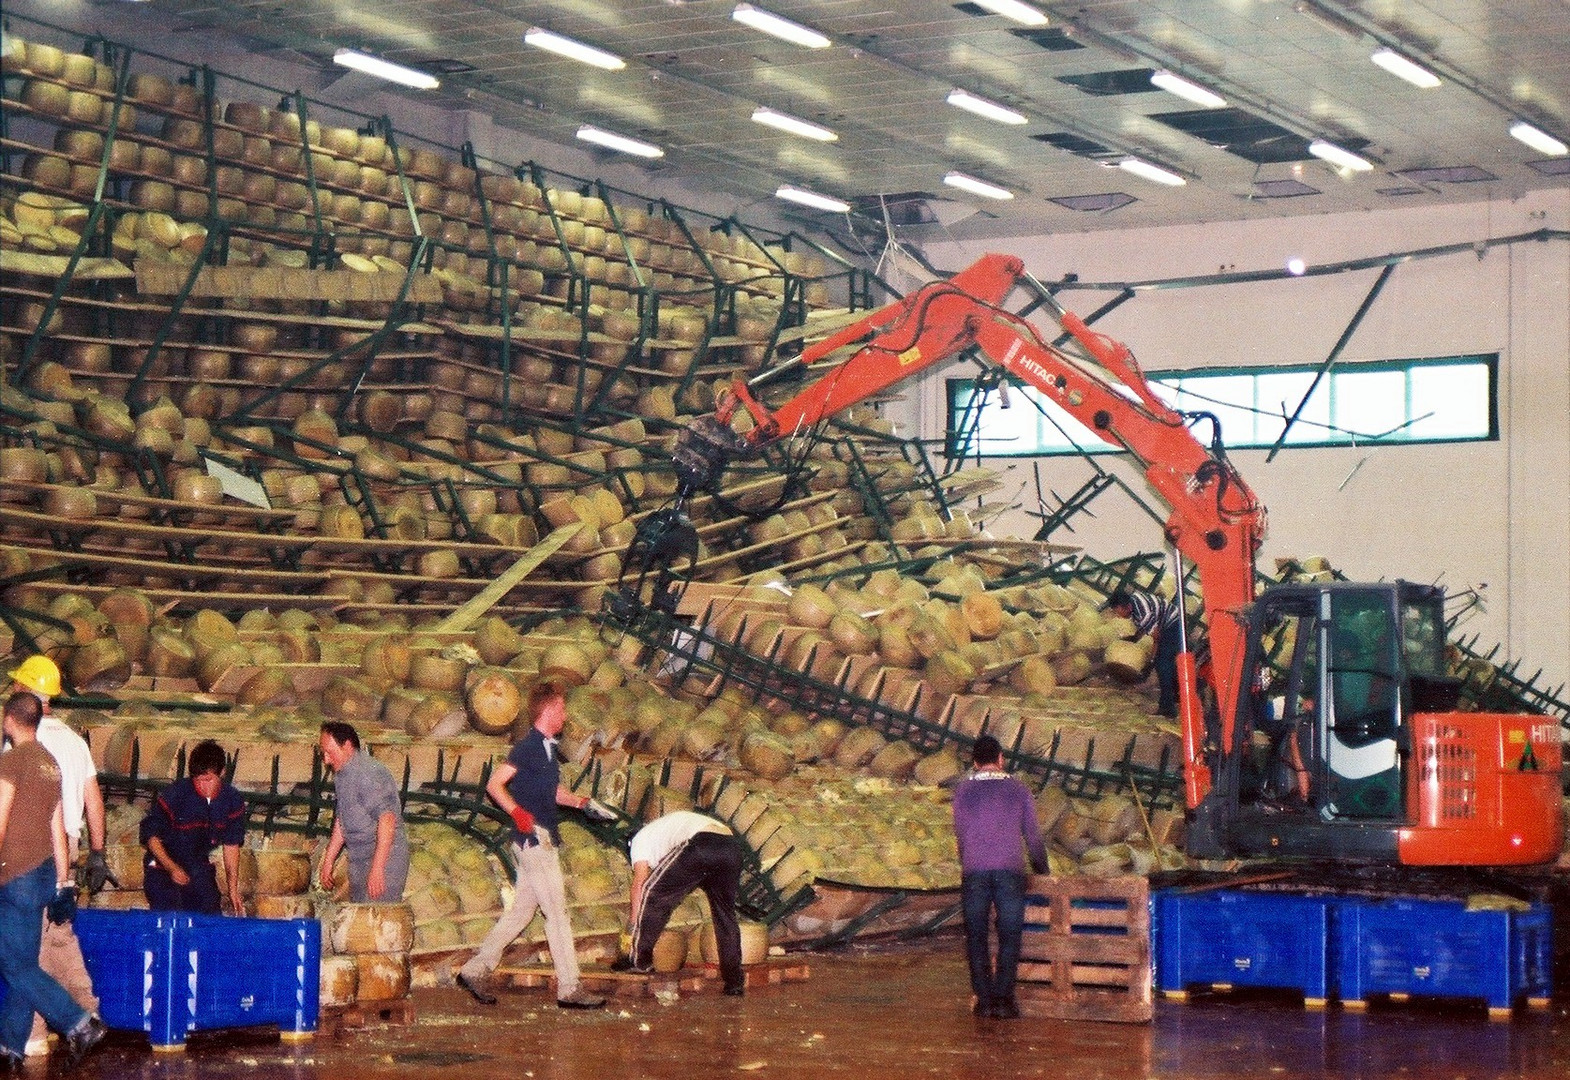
x=76 y=768
x=661 y=836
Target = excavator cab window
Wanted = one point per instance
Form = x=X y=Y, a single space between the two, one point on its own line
x=1283 y=691
x=1361 y=725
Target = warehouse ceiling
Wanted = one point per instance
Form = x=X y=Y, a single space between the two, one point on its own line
x=1289 y=72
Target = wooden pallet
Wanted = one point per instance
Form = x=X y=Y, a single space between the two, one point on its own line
x=1086 y=951
x=333 y=1022
x=771 y=972
x=608 y=983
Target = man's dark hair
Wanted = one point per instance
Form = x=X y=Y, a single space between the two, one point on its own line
x=986 y=751
x=343 y=734
x=1119 y=599
x=25 y=708
x=206 y=757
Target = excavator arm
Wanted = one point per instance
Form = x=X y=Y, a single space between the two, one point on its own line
x=1215 y=520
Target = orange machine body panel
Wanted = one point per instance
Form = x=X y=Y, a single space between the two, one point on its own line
x=1485 y=790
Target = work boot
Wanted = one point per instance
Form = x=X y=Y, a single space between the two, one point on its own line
x=1005 y=1009
x=982 y=1008
x=83 y=1040
x=581 y=999
x=478 y=988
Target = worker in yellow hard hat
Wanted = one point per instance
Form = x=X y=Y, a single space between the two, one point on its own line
x=82 y=801
x=38 y=675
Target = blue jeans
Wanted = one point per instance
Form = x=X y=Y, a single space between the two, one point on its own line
x=28 y=989
x=1165 y=663
x=981 y=893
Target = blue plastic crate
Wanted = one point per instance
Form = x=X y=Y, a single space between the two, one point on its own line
x=129 y=956
x=1235 y=938
x=169 y=974
x=1438 y=948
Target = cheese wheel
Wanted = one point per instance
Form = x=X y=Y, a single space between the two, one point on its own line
x=359 y=929
x=382 y=977
x=339 y=982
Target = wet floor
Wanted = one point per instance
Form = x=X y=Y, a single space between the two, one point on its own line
x=871 y=1013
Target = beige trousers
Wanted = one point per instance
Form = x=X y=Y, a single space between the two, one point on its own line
x=60 y=955
x=540 y=886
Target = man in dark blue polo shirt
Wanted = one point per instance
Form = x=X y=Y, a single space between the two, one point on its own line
x=527 y=787
x=188 y=819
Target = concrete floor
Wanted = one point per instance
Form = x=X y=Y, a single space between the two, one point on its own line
x=870 y=1013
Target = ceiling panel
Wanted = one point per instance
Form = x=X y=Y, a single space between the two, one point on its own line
x=694 y=75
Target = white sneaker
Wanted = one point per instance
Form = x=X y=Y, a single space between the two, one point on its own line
x=37 y=1047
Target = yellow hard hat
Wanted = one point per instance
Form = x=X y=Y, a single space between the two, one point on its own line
x=39 y=674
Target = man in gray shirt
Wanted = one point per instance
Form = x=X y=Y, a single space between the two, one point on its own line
x=367 y=820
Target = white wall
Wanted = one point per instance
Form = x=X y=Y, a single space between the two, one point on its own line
x=1491 y=516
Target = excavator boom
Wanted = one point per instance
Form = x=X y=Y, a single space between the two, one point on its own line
x=1215 y=520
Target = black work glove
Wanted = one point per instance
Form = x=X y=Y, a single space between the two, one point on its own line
x=62 y=909
x=95 y=875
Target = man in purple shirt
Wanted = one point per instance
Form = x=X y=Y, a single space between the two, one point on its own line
x=994 y=821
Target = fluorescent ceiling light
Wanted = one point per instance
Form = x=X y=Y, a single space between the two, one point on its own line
x=384 y=69
x=1175 y=84
x=1140 y=167
x=981 y=106
x=812 y=199
x=977 y=187
x=573 y=50
x=619 y=142
x=1332 y=153
x=793 y=124
x=1013 y=9
x=1402 y=68
x=775 y=26
x=1538 y=139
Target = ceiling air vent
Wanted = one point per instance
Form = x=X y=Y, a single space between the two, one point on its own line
x=1113 y=83
x=1282 y=189
x=1075 y=144
x=1092 y=204
x=1552 y=166
x=1050 y=38
x=1449 y=174
x=1240 y=132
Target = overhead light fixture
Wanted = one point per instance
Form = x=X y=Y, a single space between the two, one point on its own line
x=614 y=141
x=977 y=187
x=1403 y=68
x=1329 y=151
x=1143 y=168
x=1538 y=139
x=1023 y=14
x=793 y=124
x=385 y=69
x=981 y=106
x=812 y=199
x=1175 y=84
x=573 y=49
x=777 y=26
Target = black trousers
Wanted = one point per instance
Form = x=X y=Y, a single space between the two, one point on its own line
x=200 y=896
x=711 y=862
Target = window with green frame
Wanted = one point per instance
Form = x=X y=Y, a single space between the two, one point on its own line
x=1433 y=400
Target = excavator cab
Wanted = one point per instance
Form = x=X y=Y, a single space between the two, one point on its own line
x=1328 y=710
x=1350 y=733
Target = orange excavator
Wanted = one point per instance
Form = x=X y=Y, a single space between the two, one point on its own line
x=1326 y=728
